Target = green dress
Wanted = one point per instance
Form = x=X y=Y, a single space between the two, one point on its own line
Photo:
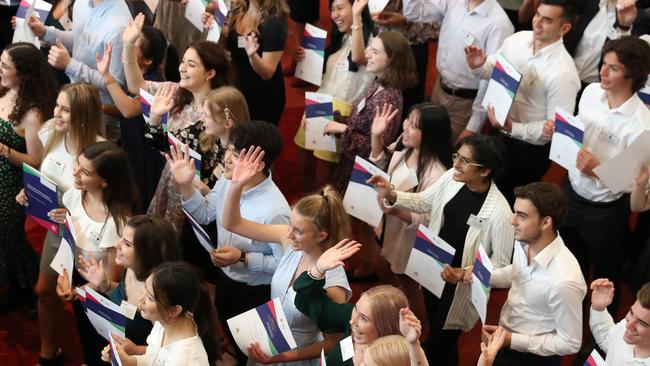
x=329 y=317
x=18 y=260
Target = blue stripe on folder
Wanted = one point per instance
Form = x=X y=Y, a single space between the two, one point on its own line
x=482 y=273
x=567 y=129
x=314 y=43
x=106 y=313
x=506 y=80
x=270 y=323
x=318 y=110
x=360 y=177
x=645 y=97
x=430 y=249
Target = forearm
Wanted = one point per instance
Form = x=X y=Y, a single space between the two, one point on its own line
x=261 y=67
x=18 y=158
x=416 y=354
x=231 y=217
x=127 y=106
x=132 y=74
x=309 y=352
x=358 y=45
x=377 y=146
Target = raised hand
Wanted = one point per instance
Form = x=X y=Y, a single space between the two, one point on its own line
x=334 y=256
x=133 y=30
x=475 y=57
x=357 y=8
x=93 y=272
x=59 y=57
x=383 y=116
x=409 y=325
x=249 y=163
x=163 y=101
x=626 y=12
x=104 y=63
x=251 y=44
x=602 y=293
x=182 y=167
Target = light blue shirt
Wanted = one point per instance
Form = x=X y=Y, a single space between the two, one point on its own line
x=263 y=204
x=92 y=28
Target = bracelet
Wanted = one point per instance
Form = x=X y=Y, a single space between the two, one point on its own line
x=356 y=27
x=242 y=257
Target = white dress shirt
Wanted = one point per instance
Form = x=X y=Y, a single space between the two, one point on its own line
x=486 y=26
x=188 y=351
x=549 y=80
x=608 y=131
x=609 y=337
x=544 y=306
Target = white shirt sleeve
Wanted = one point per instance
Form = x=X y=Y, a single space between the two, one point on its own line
x=602 y=326
x=424 y=11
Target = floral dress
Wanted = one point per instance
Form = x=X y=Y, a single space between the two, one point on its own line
x=18 y=260
x=187 y=126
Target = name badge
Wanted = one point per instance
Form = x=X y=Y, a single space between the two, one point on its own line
x=361 y=105
x=129 y=310
x=478 y=222
x=347 y=348
x=53 y=166
x=467 y=38
x=241 y=41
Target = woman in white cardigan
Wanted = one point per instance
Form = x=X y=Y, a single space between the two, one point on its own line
x=466 y=190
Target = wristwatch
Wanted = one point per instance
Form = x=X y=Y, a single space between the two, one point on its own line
x=242 y=257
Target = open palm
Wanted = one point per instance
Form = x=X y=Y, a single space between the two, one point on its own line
x=249 y=163
x=180 y=164
x=163 y=101
x=104 y=63
x=133 y=30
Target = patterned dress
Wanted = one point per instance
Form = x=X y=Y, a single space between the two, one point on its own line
x=18 y=260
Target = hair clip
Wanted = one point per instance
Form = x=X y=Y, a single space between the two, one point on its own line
x=226 y=111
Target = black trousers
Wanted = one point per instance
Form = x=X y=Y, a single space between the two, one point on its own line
x=596 y=234
x=233 y=298
x=441 y=344
x=508 y=357
x=527 y=163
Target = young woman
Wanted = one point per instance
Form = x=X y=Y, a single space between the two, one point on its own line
x=375 y=315
x=99 y=206
x=398 y=350
x=204 y=68
x=257 y=32
x=461 y=193
x=27 y=97
x=184 y=320
x=147 y=241
x=318 y=221
x=345 y=78
x=415 y=161
x=77 y=123
x=390 y=60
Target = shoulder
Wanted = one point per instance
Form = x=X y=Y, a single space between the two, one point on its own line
x=33 y=119
x=71 y=198
x=274 y=22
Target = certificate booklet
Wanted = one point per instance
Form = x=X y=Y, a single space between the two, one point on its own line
x=595 y=359
x=204 y=238
x=360 y=198
x=266 y=325
x=42 y=197
x=193 y=154
x=619 y=172
x=430 y=253
x=64 y=257
x=115 y=357
x=481 y=274
x=644 y=94
x=311 y=68
x=220 y=13
x=567 y=139
x=319 y=112
x=194 y=9
x=105 y=316
x=502 y=88
x=38 y=8
x=146 y=99
x=376 y=6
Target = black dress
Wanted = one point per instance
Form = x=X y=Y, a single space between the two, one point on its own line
x=265 y=98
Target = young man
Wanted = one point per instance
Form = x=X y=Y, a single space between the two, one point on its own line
x=482 y=23
x=628 y=341
x=542 y=316
x=246 y=266
x=549 y=80
x=614 y=116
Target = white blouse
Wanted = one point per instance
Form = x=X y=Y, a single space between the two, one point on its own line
x=188 y=351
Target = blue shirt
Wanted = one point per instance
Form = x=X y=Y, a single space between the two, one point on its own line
x=92 y=28
x=264 y=204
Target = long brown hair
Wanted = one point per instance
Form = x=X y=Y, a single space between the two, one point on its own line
x=86 y=119
x=267 y=9
x=400 y=73
x=385 y=301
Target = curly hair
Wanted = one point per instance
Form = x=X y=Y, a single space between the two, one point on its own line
x=37 y=88
x=267 y=9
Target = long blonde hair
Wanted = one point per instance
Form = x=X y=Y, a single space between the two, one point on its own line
x=267 y=9
x=391 y=350
x=385 y=302
x=86 y=119
x=230 y=103
x=326 y=209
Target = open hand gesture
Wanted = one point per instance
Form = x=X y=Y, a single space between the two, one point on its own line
x=104 y=63
x=133 y=30
x=358 y=6
x=626 y=12
x=182 y=167
x=475 y=57
x=409 y=325
x=249 y=163
x=334 y=256
x=383 y=116
x=163 y=101
x=602 y=293
x=93 y=272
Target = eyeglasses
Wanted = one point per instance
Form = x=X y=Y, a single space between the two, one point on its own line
x=464 y=161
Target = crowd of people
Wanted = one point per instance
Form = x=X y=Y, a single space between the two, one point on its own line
x=127 y=179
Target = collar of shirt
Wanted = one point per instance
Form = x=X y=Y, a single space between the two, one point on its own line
x=547 y=254
x=483 y=9
x=99 y=9
x=259 y=189
x=546 y=51
x=626 y=109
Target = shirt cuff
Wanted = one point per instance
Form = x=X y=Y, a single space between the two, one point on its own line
x=73 y=68
x=519 y=342
x=518 y=130
x=255 y=261
x=50 y=35
x=194 y=203
x=598 y=316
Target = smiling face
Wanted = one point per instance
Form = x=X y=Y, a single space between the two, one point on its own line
x=8 y=74
x=194 y=76
x=412 y=136
x=124 y=250
x=612 y=74
x=85 y=176
x=465 y=166
x=147 y=304
x=637 y=327
x=548 y=24
x=62 y=113
x=341 y=14
x=303 y=233
x=231 y=157
x=215 y=123
x=377 y=58
x=362 y=327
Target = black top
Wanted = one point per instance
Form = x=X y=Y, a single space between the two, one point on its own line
x=271 y=37
x=455 y=216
